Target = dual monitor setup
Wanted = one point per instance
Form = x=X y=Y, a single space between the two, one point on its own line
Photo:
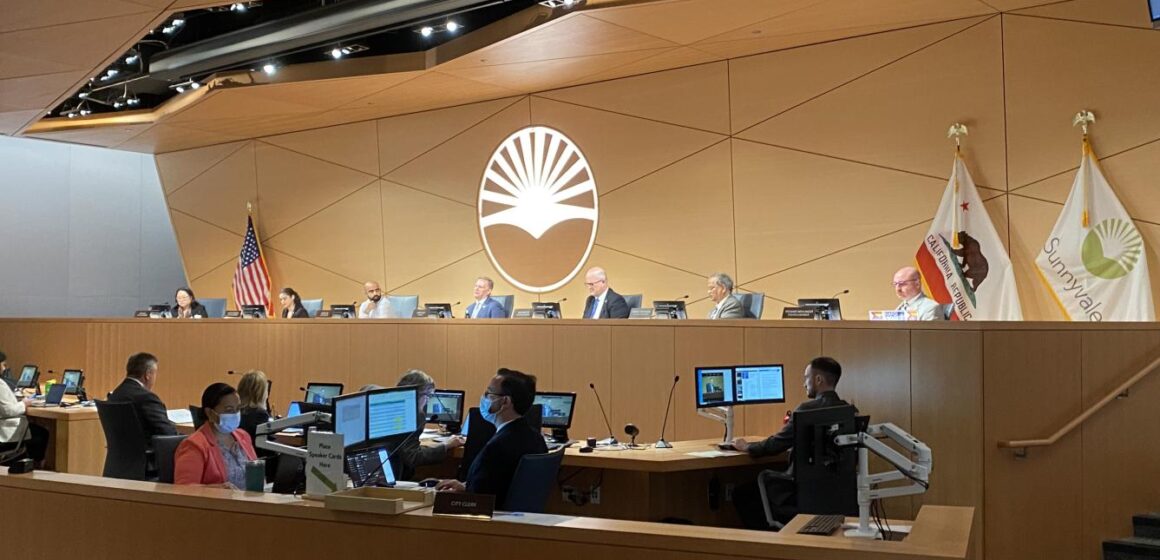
x=72 y=380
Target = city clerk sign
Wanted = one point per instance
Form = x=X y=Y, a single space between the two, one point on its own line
x=538 y=209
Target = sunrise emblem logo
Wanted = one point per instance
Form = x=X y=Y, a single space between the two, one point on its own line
x=538 y=209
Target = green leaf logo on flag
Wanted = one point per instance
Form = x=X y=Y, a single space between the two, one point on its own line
x=1112 y=249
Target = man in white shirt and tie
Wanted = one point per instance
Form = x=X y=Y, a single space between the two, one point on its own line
x=376 y=306
x=908 y=288
x=721 y=292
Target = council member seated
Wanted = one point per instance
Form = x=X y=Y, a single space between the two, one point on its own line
x=137 y=388
x=603 y=302
x=187 y=305
x=218 y=451
x=11 y=412
x=292 y=304
x=908 y=287
x=821 y=383
x=721 y=292
x=484 y=307
x=376 y=306
x=508 y=397
x=411 y=454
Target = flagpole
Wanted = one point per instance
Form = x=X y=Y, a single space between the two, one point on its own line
x=957 y=131
x=1083 y=119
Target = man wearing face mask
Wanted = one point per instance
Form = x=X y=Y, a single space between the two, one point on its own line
x=507 y=398
x=137 y=388
x=216 y=454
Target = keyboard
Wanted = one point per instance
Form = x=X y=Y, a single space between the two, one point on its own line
x=822 y=525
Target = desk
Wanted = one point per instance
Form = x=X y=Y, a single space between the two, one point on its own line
x=163 y=515
x=76 y=442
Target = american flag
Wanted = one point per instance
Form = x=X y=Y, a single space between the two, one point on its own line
x=252 y=278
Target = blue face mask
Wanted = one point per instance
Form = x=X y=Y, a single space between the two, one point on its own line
x=485 y=409
x=228 y=422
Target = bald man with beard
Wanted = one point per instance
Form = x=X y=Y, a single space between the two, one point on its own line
x=908 y=288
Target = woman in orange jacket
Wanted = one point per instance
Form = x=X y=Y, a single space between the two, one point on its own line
x=217 y=452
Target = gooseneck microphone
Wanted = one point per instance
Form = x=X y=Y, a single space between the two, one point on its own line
x=661 y=443
x=841 y=293
x=611 y=438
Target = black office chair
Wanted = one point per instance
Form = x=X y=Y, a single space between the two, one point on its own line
x=535 y=417
x=948 y=309
x=822 y=478
x=753 y=303
x=127 y=450
x=534 y=482
x=15 y=449
x=198 y=416
x=164 y=449
x=634 y=301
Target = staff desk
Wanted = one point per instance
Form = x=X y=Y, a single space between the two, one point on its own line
x=76 y=442
x=180 y=522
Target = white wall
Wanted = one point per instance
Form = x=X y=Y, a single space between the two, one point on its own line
x=83 y=232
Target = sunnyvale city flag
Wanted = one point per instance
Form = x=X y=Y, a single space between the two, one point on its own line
x=251 y=278
x=1093 y=262
x=962 y=259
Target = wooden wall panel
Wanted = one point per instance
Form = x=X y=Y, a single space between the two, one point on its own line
x=374 y=354
x=472 y=358
x=1031 y=387
x=583 y=355
x=704 y=346
x=423 y=347
x=1120 y=462
x=642 y=375
x=793 y=348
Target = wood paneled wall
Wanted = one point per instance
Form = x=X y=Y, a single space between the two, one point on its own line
x=960 y=388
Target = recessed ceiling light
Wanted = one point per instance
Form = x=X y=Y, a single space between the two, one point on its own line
x=452 y=26
x=269 y=69
x=426 y=31
x=336 y=53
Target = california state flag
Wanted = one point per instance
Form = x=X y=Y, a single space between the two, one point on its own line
x=962 y=259
x=1093 y=262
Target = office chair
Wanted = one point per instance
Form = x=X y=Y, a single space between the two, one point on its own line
x=402 y=307
x=198 y=416
x=312 y=306
x=754 y=304
x=127 y=454
x=164 y=449
x=633 y=301
x=535 y=417
x=215 y=308
x=508 y=303
x=534 y=482
x=947 y=310
x=18 y=450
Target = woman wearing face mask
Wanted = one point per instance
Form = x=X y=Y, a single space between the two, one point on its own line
x=217 y=452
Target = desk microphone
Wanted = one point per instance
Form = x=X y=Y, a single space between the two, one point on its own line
x=560 y=316
x=841 y=293
x=686 y=296
x=611 y=438
x=661 y=443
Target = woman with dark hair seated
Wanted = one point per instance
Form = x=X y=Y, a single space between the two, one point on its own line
x=292 y=304
x=187 y=305
x=217 y=452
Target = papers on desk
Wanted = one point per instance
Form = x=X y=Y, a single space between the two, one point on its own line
x=428 y=436
x=713 y=453
x=180 y=416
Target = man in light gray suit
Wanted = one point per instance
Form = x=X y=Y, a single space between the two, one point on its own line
x=721 y=292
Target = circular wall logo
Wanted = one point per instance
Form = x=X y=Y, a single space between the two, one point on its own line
x=538 y=209
x=1112 y=248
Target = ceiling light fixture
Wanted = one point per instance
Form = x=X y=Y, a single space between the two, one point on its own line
x=452 y=26
x=269 y=69
x=336 y=53
x=426 y=31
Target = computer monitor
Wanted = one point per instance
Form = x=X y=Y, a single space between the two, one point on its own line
x=29 y=377
x=445 y=407
x=350 y=419
x=546 y=310
x=759 y=384
x=253 y=311
x=322 y=393
x=825 y=475
x=295 y=409
x=1154 y=11
x=674 y=309
x=73 y=380
x=830 y=309
x=438 y=310
x=556 y=408
x=714 y=386
x=392 y=412
x=344 y=310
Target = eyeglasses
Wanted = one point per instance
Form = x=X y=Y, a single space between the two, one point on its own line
x=902 y=283
x=489 y=393
x=590 y=284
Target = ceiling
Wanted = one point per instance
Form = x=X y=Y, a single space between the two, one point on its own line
x=48 y=48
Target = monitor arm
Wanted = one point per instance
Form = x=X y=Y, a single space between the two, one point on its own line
x=722 y=414
x=917 y=470
x=268 y=429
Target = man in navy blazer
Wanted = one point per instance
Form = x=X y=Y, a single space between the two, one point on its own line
x=485 y=307
x=603 y=302
x=508 y=397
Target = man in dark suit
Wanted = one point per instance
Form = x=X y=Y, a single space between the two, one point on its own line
x=508 y=397
x=603 y=302
x=821 y=382
x=137 y=388
x=484 y=307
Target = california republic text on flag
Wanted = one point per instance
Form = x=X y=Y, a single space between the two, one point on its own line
x=962 y=258
x=1093 y=262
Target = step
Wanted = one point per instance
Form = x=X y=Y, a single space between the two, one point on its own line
x=1132 y=548
x=1146 y=525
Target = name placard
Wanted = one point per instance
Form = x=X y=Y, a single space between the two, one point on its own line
x=464 y=504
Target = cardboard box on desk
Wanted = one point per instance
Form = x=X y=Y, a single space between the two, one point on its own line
x=385 y=501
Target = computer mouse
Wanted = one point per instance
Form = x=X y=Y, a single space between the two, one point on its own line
x=428 y=482
x=587 y=449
